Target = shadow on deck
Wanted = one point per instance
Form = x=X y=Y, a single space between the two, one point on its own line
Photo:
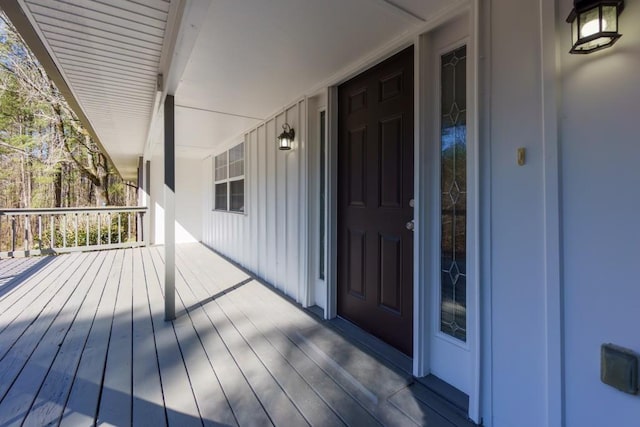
x=83 y=341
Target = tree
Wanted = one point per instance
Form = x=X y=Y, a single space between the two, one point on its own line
x=37 y=122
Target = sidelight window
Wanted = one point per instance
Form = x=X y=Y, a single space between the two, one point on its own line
x=453 y=196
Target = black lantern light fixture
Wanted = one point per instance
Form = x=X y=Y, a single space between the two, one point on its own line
x=285 y=140
x=594 y=24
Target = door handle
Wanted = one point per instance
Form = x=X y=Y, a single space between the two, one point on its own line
x=410 y=225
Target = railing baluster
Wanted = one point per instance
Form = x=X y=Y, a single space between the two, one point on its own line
x=99 y=242
x=109 y=228
x=75 y=226
x=40 y=232
x=88 y=220
x=26 y=233
x=119 y=227
x=13 y=234
x=64 y=230
x=52 y=237
x=128 y=227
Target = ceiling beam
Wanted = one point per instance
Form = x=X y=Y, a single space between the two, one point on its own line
x=220 y=112
x=401 y=9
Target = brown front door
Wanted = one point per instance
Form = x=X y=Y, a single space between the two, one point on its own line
x=375 y=189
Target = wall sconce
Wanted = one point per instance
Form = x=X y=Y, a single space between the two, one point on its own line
x=285 y=140
x=594 y=24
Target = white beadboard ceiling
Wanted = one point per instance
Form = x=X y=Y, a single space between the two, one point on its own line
x=250 y=58
x=109 y=52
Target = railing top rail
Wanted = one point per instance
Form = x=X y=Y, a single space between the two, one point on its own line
x=60 y=211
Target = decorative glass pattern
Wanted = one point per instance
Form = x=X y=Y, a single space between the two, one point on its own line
x=453 y=199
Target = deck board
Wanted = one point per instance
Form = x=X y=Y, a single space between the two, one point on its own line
x=36 y=356
x=148 y=402
x=180 y=402
x=50 y=401
x=82 y=403
x=115 y=399
x=83 y=340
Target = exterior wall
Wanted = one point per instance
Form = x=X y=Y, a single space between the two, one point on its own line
x=514 y=331
x=189 y=188
x=601 y=232
x=269 y=239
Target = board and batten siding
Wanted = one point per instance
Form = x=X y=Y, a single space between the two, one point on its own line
x=270 y=237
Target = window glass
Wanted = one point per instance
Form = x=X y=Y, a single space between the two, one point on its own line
x=229 y=180
x=221 y=196
x=221 y=166
x=237 y=195
x=322 y=195
x=453 y=196
x=236 y=161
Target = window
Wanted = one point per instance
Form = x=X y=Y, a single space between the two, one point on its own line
x=453 y=200
x=323 y=177
x=229 y=180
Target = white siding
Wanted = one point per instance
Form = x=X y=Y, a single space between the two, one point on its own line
x=601 y=232
x=189 y=189
x=269 y=239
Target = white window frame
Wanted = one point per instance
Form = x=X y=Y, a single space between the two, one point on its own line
x=228 y=180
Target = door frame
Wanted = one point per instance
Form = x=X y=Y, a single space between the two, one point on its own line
x=424 y=258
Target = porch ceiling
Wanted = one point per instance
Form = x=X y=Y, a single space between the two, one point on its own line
x=250 y=58
x=253 y=57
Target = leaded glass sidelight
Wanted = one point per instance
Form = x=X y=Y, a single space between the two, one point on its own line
x=453 y=198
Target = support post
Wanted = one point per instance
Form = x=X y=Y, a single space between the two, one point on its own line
x=169 y=210
x=140 y=199
x=146 y=228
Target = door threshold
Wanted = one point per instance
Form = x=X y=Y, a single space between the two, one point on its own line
x=394 y=358
x=457 y=398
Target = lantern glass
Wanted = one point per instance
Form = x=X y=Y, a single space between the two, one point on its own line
x=285 y=143
x=589 y=22
x=610 y=18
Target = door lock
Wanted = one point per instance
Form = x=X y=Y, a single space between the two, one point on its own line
x=410 y=225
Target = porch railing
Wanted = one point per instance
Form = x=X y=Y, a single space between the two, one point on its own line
x=26 y=232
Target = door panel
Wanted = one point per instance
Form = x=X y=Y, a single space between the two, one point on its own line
x=375 y=186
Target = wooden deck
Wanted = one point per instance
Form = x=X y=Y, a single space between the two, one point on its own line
x=83 y=342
